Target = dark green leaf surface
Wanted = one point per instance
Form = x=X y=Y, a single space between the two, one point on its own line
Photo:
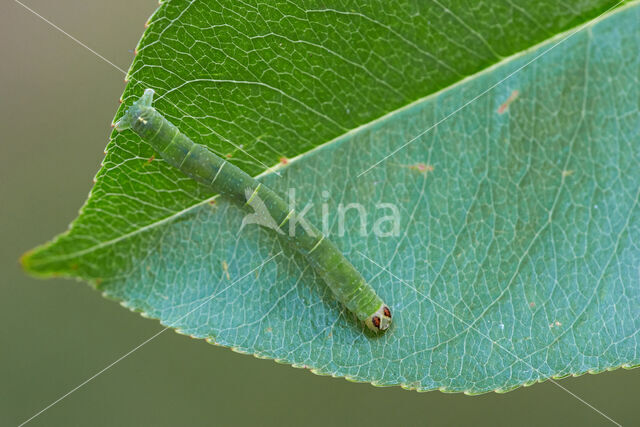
x=517 y=258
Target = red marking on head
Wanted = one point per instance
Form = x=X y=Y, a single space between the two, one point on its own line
x=386 y=311
x=229 y=156
x=152 y=158
x=212 y=202
x=284 y=160
x=376 y=321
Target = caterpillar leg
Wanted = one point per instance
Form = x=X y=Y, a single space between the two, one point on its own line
x=380 y=320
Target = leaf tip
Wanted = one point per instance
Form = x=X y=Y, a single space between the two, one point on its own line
x=25 y=260
x=29 y=263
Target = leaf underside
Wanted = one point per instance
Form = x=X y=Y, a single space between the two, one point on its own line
x=518 y=254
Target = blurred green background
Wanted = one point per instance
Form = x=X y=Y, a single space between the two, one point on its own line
x=56 y=104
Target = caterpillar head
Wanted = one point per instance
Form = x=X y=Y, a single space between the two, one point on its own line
x=380 y=320
x=138 y=112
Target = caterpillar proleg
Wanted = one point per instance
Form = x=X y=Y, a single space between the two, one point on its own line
x=196 y=161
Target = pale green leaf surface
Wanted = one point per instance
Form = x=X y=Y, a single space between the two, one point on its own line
x=517 y=259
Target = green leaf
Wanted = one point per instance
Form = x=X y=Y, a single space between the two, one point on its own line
x=517 y=257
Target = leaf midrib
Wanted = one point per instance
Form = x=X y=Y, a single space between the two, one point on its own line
x=560 y=38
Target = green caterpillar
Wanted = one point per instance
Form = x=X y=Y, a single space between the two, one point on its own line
x=199 y=163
